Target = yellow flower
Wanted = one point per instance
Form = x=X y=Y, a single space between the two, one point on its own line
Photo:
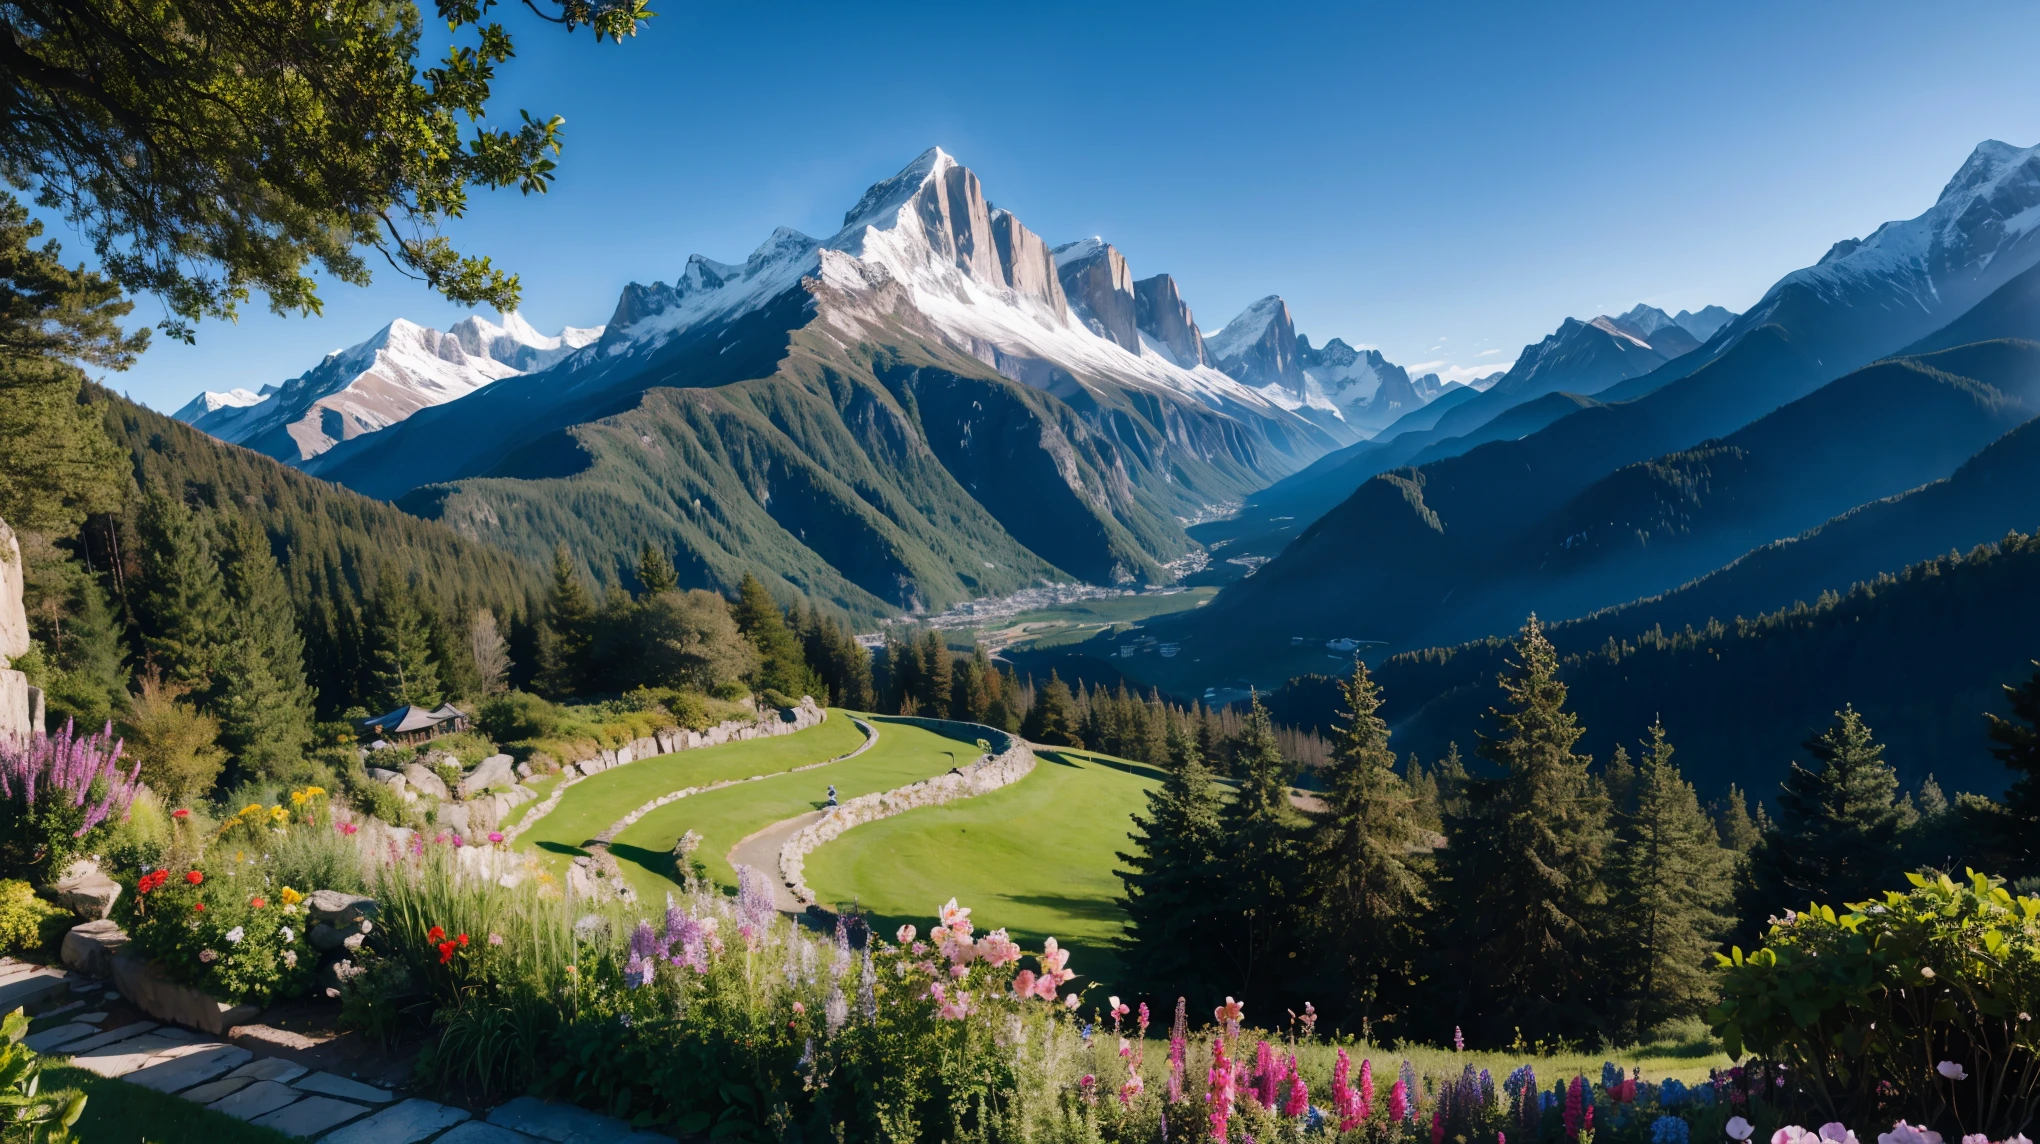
x=315 y=792
x=252 y=808
x=290 y=897
x=279 y=814
x=299 y=798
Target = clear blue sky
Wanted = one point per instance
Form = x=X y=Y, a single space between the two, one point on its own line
x=1445 y=183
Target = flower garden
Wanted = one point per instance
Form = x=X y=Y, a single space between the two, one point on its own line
x=701 y=1012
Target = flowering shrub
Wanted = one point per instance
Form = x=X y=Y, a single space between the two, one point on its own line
x=59 y=795
x=1917 y=1006
x=26 y=921
x=255 y=822
x=223 y=927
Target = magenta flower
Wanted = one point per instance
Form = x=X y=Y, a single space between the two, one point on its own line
x=1219 y=1093
x=1398 y=1101
x=1298 y=1102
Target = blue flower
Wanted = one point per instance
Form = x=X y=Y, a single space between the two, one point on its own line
x=1670 y=1130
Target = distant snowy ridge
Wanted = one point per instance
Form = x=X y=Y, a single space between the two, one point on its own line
x=403 y=368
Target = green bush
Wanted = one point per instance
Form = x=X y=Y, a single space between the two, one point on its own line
x=224 y=926
x=470 y=747
x=26 y=921
x=517 y=715
x=777 y=699
x=140 y=841
x=391 y=758
x=380 y=801
x=1861 y=1007
x=311 y=858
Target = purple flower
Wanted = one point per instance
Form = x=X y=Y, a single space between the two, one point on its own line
x=69 y=768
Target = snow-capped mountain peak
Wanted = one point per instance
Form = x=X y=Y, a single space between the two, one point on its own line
x=396 y=371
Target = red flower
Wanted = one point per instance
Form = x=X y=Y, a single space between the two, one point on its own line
x=434 y=934
x=152 y=881
x=258 y=903
x=180 y=813
x=462 y=939
x=194 y=877
x=446 y=949
x=199 y=906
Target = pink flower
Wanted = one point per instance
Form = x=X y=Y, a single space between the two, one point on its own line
x=959 y=971
x=1133 y=1087
x=496 y=837
x=1903 y=1133
x=954 y=1009
x=1835 y=1132
x=1229 y=1013
x=1219 y=1092
x=1398 y=1101
x=1794 y=1134
x=1071 y=1002
x=1298 y=1102
x=955 y=917
x=1023 y=984
x=997 y=950
x=1119 y=1011
x=1053 y=959
x=906 y=934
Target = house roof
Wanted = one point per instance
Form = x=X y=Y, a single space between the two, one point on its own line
x=407 y=718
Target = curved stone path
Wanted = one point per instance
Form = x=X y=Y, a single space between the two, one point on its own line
x=760 y=852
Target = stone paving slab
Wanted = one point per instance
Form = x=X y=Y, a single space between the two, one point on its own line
x=126 y=1056
x=405 y=1123
x=190 y=1069
x=482 y=1132
x=269 y=1068
x=310 y=1116
x=110 y=1037
x=327 y=1084
x=33 y=990
x=566 y=1123
x=258 y=1099
x=214 y=1090
x=49 y=1039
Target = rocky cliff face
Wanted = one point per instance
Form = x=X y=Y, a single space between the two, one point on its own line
x=1160 y=312
x=20 y=704
x=1100 y=289
x=1259 y=347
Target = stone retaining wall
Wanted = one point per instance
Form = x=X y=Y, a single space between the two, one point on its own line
x=668 y=740
x=1010 y=762
x=631 y=819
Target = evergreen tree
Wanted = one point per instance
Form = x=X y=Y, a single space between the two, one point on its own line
x=1671 y=883
x=1838 y=826
x=782 y=665
x=2013 y=832
x=1173 y=880
x=263 y=702
x=937 y=679
x=183 y=607
x=402 y=669
x=1739 y=832
x=1366 y=884
x=1528 y=859
x=567 y=632
x=1053 y=718
x=971 y=687
x=655 y=571
x=1262 y=855
x=69 y=616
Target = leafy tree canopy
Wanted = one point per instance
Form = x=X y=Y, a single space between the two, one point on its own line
x=208 y=148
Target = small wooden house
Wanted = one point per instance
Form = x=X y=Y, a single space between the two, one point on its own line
x=416 y=724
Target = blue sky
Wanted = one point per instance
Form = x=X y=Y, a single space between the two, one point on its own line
x=1444 y=183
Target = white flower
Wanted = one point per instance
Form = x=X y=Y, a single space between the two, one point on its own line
x=1072 y=1001
x=1794 y=1134
x=1903 y=1133
x=235 y=935
x=1740 y=1129
x=1951 y=1070
x=287 y=934
x=290 y=958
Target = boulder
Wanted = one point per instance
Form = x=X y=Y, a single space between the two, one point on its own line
x=492 y=771
x=524 y=770
x=90 y=948
x=393 y=778
x=153 y=992
x=422 y=777
x=86 y=891
x=457 y=817
x=339 y=909
x=327 y=938
x=13 y=619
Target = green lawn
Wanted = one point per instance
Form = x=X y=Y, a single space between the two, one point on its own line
x=1036 y=857
x=592 y=805
x=904 y=754
x=117 y=1112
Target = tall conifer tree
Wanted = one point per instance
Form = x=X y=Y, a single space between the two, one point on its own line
x=263 y=703
x=1672 y=890
x=1838 y=828
x=183 y=607
x=1528 y=859
x=655 y=571
x=401 y=666
x=567 y=631
x=782 y=666
x=1172 y=879
x=1262 y=854
x=1366 y=883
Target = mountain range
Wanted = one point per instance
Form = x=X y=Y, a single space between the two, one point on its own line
x=928 y=406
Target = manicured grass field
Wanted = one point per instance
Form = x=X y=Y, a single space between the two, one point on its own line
x=593 y=804
x=1036 y=857
x=117 y=1112
x=904 y=754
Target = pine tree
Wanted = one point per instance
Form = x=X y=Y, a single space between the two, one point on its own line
x=183 y=606
x=401 y=667
x=782 y=666
x=1671 y=888
x=937 y=677
x=1262 y=852
x=655 y=571
x=1738 y=830
x=69 y=616
x=567 y=632
x=1838 y=825
x=2013 y=832
x=1172 y=879
x=1528 y=858
x=263 y=702
x=1053 y=718
x=1366 y=883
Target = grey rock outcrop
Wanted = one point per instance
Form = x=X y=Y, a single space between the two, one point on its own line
x=20 y=704
x=1099 y=286
x=152 y=991
x=1259 y=347
x=90 y=948
x=338 y=908
x=86 y=891
x=425 y=781
x=493 y=771
x=1160 y=313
